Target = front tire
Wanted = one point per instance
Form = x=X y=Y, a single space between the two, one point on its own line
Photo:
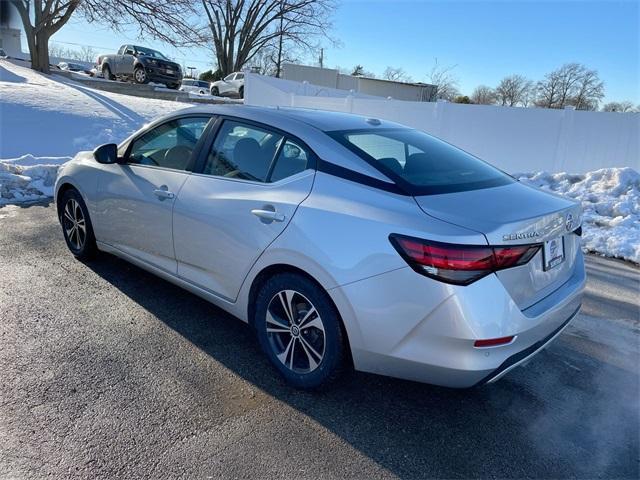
x=300 y=331
x=76 y=226
x=215 y=92
x=140 y=75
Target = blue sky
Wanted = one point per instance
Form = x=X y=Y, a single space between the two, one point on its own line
x=484 y=40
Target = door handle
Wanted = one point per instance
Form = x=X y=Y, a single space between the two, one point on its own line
x=163 y=193
x=269 y=215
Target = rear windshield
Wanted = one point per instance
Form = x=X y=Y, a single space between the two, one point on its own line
x=419 y=163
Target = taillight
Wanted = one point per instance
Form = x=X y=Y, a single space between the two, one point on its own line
x=459 y=264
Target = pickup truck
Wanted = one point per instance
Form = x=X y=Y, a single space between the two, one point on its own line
x=141 y=64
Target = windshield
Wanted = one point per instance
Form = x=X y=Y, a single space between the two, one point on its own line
x=419 y=163
x=150 y=53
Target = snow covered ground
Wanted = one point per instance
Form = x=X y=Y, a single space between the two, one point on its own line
x=610 y=200
x=45 y=120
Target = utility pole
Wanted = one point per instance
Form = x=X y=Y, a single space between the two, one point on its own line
x=321 y=57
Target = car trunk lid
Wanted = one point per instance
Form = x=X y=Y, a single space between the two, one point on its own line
x=517 y=214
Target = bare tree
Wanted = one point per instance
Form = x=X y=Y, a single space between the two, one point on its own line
x=396 y=75
x=48 y=18
x=571 y=84
x=165 y=20
x=622 y=107
x=588 y=91
x=513 y=90
x=85 y=54
x=548 y=91
x=483 y=95
x=162 y=19
x=443 y=78
x=241 y=28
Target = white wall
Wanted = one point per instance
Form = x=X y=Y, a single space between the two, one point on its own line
x=514 y=139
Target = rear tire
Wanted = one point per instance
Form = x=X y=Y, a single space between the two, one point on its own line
x=300 y=331
x=76 y=225
x=106 y=73
x=241 y=92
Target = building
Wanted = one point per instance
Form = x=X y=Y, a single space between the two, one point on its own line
x=10 y=41
x=328 y=77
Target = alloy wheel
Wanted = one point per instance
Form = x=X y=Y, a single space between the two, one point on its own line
x=74 y=224
x=295 y=331
x=140 y=75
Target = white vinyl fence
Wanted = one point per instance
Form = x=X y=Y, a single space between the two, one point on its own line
x=514 y=139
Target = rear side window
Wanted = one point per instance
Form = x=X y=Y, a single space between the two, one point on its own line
x=419 y=163
x=292 y=159
x=249 y=152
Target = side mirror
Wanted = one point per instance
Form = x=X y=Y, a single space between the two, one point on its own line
x=107 y=153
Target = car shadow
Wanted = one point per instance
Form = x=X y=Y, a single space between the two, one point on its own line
x=8 y=76
x=411 y=429
x=130 y=117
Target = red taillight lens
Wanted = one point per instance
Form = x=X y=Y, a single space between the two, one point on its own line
x=459 y=264
x=493 y=342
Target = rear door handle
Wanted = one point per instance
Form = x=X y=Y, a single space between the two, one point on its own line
x=268 y=215
x=163 y=193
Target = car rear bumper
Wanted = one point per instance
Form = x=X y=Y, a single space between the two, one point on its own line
x=405 y=325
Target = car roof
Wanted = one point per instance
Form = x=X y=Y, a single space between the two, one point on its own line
x=282 y=117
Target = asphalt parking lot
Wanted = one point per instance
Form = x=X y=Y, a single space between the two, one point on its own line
x=107 y=371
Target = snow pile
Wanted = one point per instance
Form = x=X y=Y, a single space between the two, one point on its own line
x=47 y=115
x=28 y=178
x=610 y=200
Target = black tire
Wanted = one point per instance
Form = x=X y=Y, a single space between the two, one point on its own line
x=140 y=75
x=173 y=86
x=106 y=73
x=215 y=92
x=315 y=356
x=72 y=208
x=241 y=92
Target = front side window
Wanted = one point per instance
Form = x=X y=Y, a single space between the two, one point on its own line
x=228 y=78
x=169 y=145
x=240 y=76
x=420 y=163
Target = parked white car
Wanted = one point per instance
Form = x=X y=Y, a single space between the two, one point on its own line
x=194 y=86
x=231 y=86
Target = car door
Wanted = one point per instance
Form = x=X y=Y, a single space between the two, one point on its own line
x=136 y=197
x=238 y=82
x=227 y=84
x=128 y=61
x=116 y=68
x=244 y=191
